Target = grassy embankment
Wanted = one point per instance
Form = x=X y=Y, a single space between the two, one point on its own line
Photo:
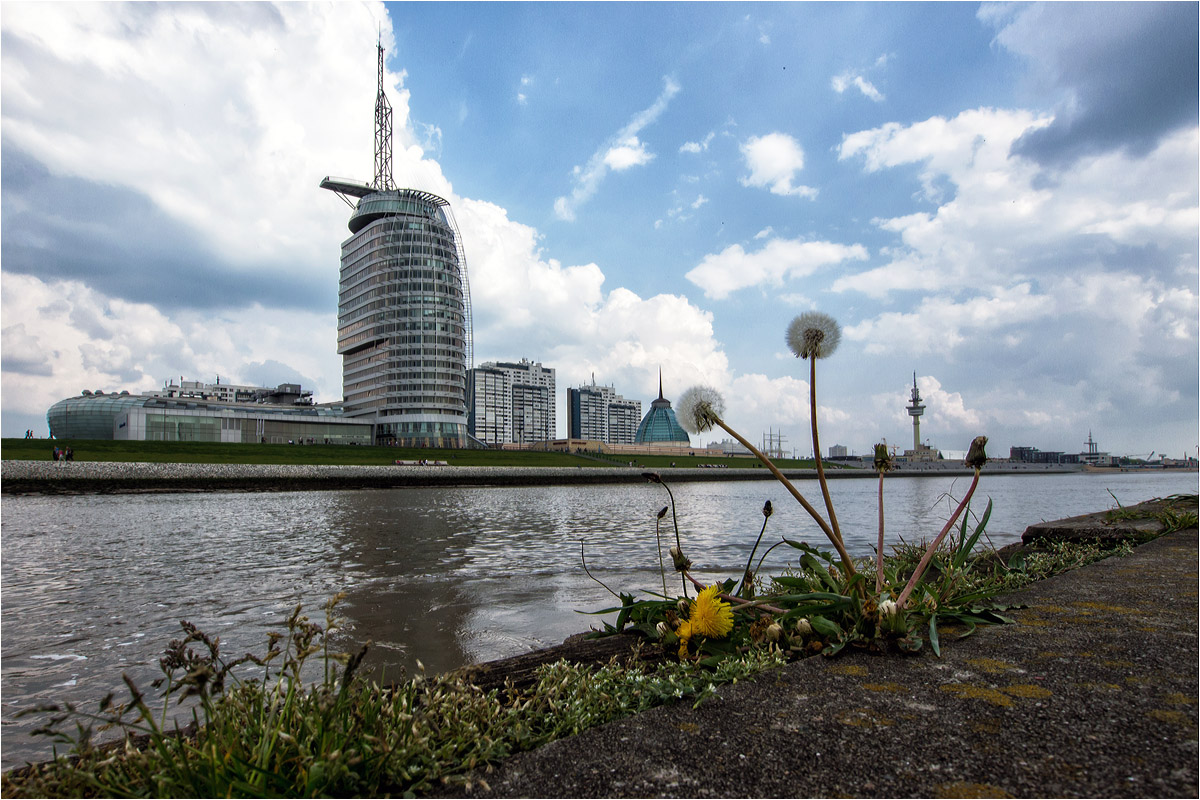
x=219 y=453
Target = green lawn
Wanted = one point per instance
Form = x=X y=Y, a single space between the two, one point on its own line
x=215 y=453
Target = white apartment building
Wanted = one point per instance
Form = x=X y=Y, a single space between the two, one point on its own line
x=600 y=414
x=512 y=402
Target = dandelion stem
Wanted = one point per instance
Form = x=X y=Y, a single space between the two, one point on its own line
x=879 y=548
x=738 y=606
x=593 y=577
x=929 y=551
x=812 y=399
x=812 y=512
x=662 y=568
x=750 y=560
x=675 y=521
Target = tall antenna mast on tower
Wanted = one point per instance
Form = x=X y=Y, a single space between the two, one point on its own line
x=383 y=134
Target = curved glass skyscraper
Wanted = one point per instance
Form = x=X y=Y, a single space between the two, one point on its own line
x=404 y=307
x=404 y=318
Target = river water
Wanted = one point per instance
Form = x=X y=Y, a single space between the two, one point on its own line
x=94 y=586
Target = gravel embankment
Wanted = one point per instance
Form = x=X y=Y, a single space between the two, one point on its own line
x=48 y=477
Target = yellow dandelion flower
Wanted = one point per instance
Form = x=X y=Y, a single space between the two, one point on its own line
x=710 y=615
x=684 y=632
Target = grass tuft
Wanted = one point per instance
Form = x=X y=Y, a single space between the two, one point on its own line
x=268 y=735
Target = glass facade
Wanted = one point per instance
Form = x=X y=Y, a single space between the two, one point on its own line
x=156 y=419
x=89 y=416
x=661 y=425
x=404 y=321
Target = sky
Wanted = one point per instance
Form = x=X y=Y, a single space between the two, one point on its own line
x=1001 y=199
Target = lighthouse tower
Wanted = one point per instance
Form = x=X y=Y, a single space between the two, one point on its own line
x=915 y=410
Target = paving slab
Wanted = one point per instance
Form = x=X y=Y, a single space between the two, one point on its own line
x=1091 y=693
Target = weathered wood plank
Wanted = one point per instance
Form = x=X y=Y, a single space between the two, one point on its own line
x=522 y=669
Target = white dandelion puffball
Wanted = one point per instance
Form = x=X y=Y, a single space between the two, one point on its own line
x=813 y=334
x=699 y=408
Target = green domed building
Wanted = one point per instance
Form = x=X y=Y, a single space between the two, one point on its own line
x=660 y=425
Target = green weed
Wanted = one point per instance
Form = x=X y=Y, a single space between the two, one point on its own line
x=268 y=735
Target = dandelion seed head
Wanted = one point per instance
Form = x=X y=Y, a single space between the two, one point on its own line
x=699 y=408
x=813 y=334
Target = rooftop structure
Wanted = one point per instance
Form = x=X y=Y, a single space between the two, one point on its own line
x=283 y=394
x=660 y=424
x=1093 y=455
x=404 y=306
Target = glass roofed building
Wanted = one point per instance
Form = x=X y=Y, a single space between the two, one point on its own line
x=173 y=418
x=660 y=425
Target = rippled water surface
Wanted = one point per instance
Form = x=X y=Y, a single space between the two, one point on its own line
x=96 y=585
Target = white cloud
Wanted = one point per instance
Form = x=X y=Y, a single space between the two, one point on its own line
x=773 y=161
x=946 y=413
x=939 y=323
x=112 y=93
x=562 y=315
x=697 y=147
x=997 y=214
x=623 y=151
x=627 y=153
x=756 y=396
x=1075 y=291
x=840 y=83
x=778 y=260
x=85 y=340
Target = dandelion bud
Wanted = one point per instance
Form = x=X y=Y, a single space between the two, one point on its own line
x=653 y=477
x=976 y=457
x=682 y=563
x=683 y=605
x=887 y=608
x=775 y=632
x=804 y=627
x=883 y=459
x=662 y=512
x=662 y=628
x=767 y=509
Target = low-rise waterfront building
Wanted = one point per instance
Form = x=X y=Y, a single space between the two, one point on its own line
x=155 y=418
